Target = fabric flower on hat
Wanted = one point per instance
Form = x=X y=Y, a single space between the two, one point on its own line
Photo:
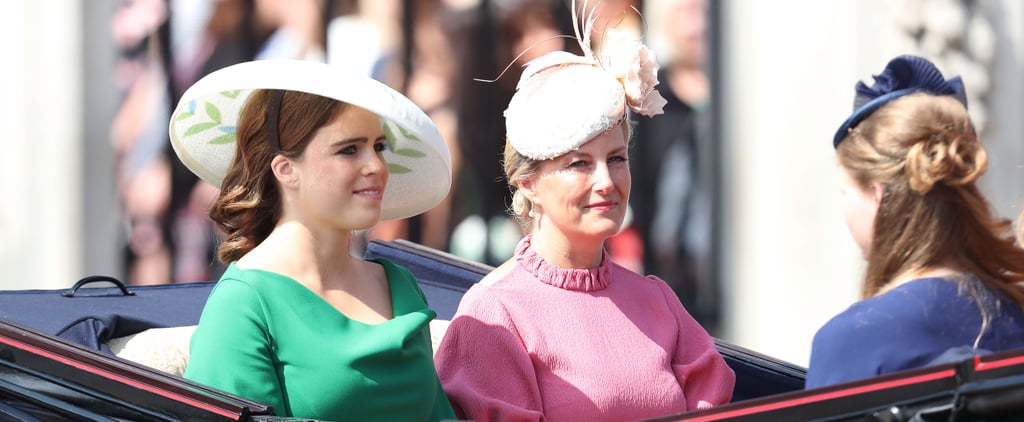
x=903 y=75
x=636 y=67
x=563 y=100
x=907 y=72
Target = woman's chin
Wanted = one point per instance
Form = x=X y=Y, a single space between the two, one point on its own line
x=605 y=229
x=365 y=222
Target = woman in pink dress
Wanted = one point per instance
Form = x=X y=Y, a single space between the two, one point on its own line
x=559 y=332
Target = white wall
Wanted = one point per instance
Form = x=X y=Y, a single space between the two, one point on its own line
x=788 y=265
x=40 y=134
x=1004 y=134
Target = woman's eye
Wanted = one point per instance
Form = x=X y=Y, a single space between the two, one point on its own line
x=349 y=150
x=577 y=163
x=380 y=147
x=617 y=159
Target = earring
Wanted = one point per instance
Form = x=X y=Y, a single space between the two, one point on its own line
x=530 y=213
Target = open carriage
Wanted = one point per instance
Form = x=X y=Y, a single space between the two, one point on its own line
x=115 y=353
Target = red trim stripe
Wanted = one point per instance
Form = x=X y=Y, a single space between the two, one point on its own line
x=1001 y=363
x=825 y=396
x=119 y=378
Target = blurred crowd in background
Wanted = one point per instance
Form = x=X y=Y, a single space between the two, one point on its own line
x=459 y=60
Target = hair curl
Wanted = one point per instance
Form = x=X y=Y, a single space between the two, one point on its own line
x=519 y=168
x=924 y=153
x=249 y=203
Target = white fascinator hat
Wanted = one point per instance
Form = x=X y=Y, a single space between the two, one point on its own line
x=564 y=100
x=202 y=127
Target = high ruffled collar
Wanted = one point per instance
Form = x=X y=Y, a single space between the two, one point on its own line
x=579 y=279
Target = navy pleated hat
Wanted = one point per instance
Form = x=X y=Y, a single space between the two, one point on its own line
x=902 y=76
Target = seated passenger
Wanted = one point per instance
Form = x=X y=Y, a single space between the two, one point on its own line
x=296 y=321
x=559 y=332
x=942 y=268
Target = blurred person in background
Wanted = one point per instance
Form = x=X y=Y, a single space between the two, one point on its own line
x=224 y=37
x=672 y=157
x=138 y=138
x=167 y=45
x=943 y=277
x=433 y=65
x=295 y=27
x=493 y=44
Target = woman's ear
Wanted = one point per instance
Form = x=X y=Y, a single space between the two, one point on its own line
x=284 y=171
x=879 y=191
x=526 y=187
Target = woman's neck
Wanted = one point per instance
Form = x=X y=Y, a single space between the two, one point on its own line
x=945 y=269
x=294 y=250
x=562 y=251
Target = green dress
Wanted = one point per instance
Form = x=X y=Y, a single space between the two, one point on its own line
x=265 y=337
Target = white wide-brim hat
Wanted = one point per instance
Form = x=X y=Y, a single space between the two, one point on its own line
x=202 y=127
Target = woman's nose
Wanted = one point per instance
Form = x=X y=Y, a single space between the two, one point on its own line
x=602 y=178
x=375 y=164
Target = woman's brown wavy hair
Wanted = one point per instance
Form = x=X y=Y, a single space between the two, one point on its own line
x=249 y=204
x=924 y=152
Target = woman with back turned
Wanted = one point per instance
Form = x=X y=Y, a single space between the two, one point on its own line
x=943 y=272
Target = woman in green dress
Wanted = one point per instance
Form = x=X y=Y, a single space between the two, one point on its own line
x=305 y=156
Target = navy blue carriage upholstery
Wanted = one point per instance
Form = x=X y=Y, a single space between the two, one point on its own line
x=94 y=315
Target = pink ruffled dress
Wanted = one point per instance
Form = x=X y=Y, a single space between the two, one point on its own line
x=549 y=343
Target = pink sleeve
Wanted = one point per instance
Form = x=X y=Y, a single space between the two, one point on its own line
x=483 y=366
x=700 y=369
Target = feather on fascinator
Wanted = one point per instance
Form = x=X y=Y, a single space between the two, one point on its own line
x=564 y=100
x=902 y=76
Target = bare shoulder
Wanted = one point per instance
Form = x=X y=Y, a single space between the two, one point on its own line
x=498 y=273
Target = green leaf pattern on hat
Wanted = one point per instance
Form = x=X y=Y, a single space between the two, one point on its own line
x=420 y=164
x=213 y=113
x=389 y=133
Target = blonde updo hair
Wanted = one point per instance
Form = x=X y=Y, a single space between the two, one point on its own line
x=519 y=168
x=924 y=152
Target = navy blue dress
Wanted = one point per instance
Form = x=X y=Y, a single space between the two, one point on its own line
x=910 y=327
